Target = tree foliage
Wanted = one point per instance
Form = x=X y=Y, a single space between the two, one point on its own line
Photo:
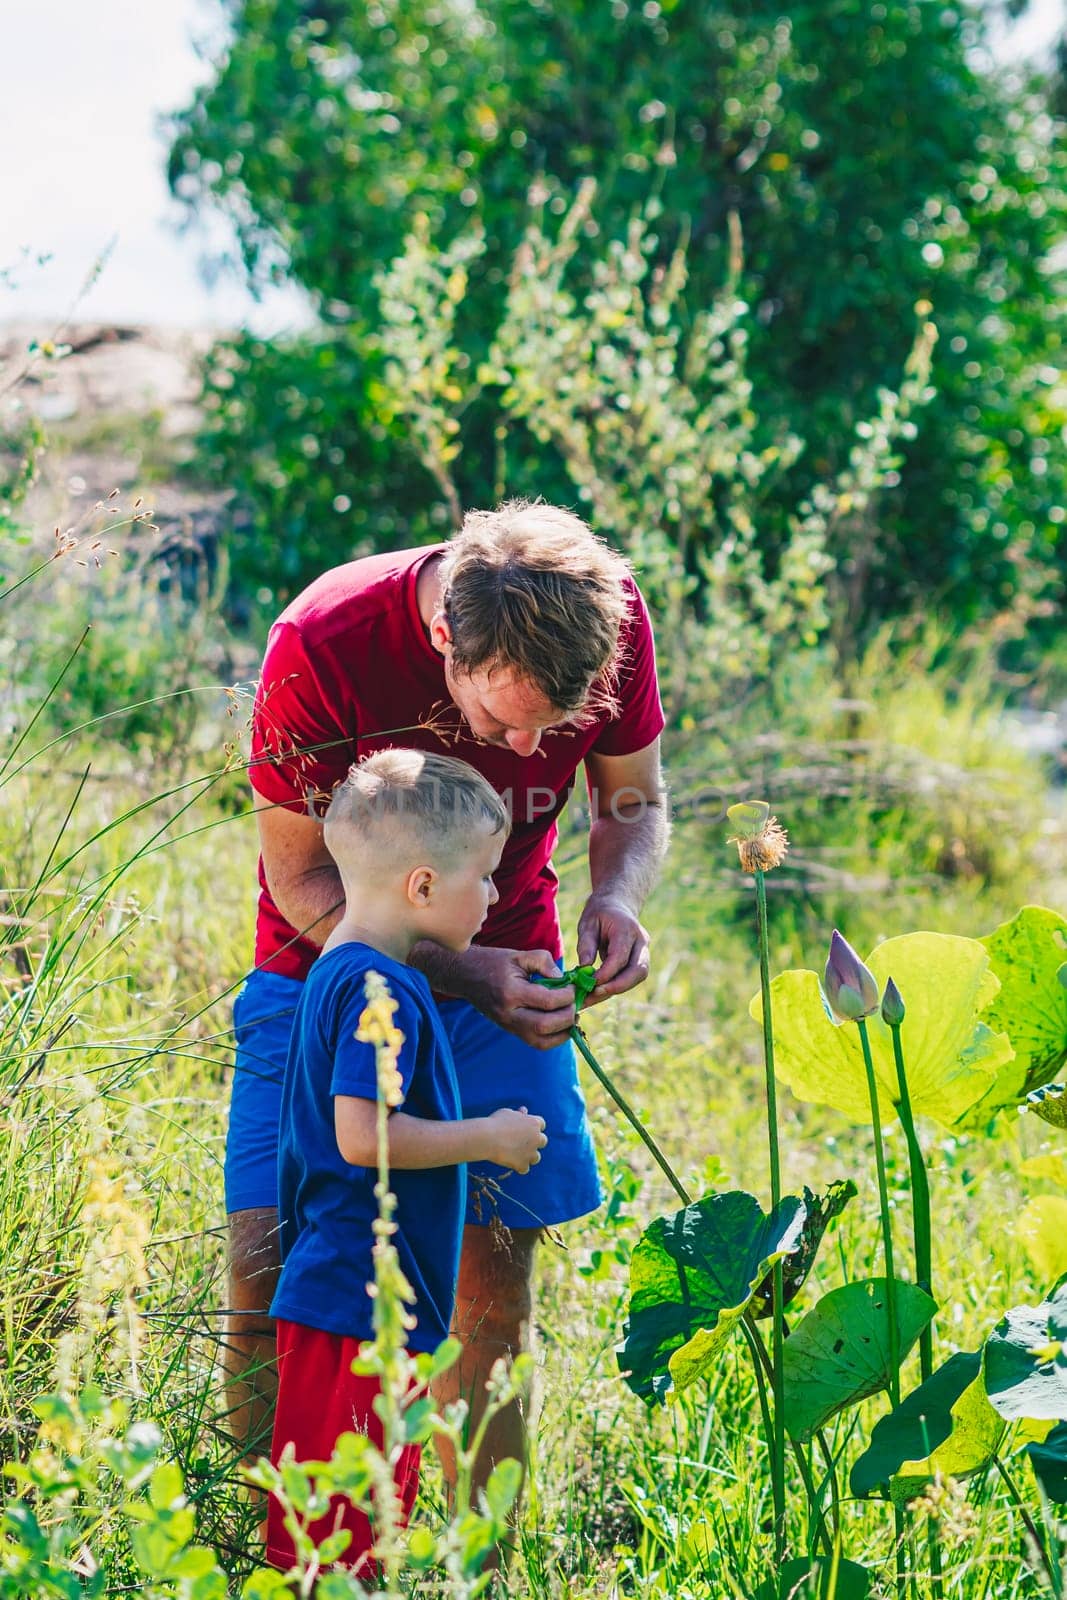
x=871 y=157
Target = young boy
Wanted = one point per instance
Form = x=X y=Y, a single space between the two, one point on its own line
x=416 y=839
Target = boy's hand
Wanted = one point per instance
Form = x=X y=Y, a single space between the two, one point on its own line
x=515 y=1139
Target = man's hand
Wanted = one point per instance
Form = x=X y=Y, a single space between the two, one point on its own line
x=515 y=1139
x=609 y=931
x=500 y=984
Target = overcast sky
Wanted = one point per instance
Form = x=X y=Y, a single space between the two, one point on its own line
x=83 y=84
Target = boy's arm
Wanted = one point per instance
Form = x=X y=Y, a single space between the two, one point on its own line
x=507 y=1138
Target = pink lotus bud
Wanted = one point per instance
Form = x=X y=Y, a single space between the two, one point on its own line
x=892 y=1005
x=850 y=988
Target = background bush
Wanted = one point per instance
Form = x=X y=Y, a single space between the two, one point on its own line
x=873 y=160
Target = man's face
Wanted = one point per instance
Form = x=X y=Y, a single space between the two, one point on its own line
x=498 y=707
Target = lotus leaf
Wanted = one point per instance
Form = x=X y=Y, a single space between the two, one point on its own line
x=1049 y=1461
x=583 y=979
x=820 y=1211
x=826 y=1580
x=1050 y=1165
x=1026 y=954
x=952 y=1058
x=1049 y=1103
x=946 y=1426
x=839 y=1353
x=1042 y=1228
x=1025 y=1362
x=692 y=1276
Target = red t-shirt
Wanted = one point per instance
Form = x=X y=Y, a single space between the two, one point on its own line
x=350 y=669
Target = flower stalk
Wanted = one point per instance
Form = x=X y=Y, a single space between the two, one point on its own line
x=893 y=1013
x=761 y=846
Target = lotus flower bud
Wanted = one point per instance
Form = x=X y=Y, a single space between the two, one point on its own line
x=850 y=988
x=892 y=1005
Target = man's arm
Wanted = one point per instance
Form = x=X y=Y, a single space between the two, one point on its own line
x=499 y=983
x=627 y=842
x=301 y=875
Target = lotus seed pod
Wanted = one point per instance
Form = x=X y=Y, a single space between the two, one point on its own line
x=748 y=817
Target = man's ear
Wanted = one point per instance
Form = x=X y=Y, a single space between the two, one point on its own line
x=440 y=632
x=420 y=886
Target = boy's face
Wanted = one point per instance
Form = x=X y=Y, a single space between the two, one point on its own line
x=465 y=892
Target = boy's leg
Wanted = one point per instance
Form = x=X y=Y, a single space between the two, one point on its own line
x=319 y=1398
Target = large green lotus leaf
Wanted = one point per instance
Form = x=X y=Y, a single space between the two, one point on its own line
x=1050 y=1166
x=946 y=1426
x=1042 y=1228
x=1025 y=1363
x=1049 y=1461
x=1026 y=954
x=692 y=1276
x=952 y=1059
x=839 y=1353
x=816 y=1578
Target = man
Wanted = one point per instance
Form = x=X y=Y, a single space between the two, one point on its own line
x=523 y=646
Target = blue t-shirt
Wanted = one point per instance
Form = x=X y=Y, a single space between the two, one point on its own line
x=327 y=1206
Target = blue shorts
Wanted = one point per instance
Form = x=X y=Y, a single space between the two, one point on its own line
x=495 y=1069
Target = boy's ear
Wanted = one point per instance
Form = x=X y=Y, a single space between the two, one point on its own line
x=421 y=882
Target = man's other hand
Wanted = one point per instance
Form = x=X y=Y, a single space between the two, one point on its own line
x=609 y=931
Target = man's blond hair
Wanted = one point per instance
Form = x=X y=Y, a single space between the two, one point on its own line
x=531 y=587
x=403 y=802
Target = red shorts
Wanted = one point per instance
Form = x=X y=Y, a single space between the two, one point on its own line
x=319 y=1398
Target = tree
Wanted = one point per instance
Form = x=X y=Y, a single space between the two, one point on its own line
x=872 y=159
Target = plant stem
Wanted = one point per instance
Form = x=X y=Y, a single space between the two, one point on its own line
x=631 y=1116
x=890 y=1281
x=1031 y=1527
x=777 y=1281
x=883 y=1206
x=924 y=1272
x=759 y=1354
x=920 y=1200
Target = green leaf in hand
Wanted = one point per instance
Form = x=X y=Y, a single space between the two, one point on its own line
x=692 y=1277
x=839 y=1353
x=946 y=1426
x=953 y=1059
x=1026 y=954
x=583 y=979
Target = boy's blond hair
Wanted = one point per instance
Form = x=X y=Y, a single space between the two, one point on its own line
x=405 y=802
x=531 y=587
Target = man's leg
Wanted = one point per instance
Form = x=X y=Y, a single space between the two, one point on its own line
x=494 y=1305
x=262 y=1019
x=248 y=1353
